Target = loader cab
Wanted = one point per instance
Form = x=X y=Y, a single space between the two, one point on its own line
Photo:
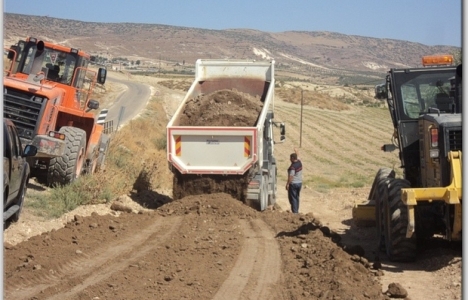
x=59 y=64
x=419 y=91
x=38 y=62
x=413 y=95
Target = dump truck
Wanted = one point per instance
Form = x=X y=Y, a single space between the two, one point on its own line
x=217 y=150
x=425 y=106
x=47 y=95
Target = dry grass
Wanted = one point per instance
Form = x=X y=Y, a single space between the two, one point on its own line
x=182 y=85
x=137 y=153
x=136 y=162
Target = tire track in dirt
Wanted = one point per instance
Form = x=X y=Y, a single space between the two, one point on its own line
x=258 y=267
x=98 y=265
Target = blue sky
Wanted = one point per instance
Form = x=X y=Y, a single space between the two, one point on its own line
x=430 y=22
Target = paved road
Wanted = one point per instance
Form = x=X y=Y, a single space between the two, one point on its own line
x=130 y=103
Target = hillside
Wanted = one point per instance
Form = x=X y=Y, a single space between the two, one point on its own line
x=324 y=56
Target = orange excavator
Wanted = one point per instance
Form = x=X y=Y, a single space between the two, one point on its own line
x=47 y=95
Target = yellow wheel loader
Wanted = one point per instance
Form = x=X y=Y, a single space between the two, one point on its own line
x=425 y=105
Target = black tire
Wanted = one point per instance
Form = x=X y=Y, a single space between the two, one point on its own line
x=382 y=174
x=20 y=199
x=264 y=193
x=273 y=186
x=67 y=168
x=395 y=221
x=376 y=194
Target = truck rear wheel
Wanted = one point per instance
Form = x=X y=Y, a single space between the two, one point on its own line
x=395 y=222
x=264 y=193
x=67 y=168
x=257 y=193
x=273 y=186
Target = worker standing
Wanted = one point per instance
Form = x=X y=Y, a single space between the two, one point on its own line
x=294 y=182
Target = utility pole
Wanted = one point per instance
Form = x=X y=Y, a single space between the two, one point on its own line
x=302 y=105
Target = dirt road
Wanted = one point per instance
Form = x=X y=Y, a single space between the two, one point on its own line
x=215 y=247
x=200 y=247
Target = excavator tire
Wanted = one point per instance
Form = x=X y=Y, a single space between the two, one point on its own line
x=67 y=168
x=398 y=247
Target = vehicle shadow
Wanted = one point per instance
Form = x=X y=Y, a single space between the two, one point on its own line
x=149 y=199
x=33 y=185
x=143 y=194
x=432 y=254
x=303 y=229
x=6 y=224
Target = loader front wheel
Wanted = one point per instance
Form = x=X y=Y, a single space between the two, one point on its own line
x=376 y=195
x=395 y=221
x=68 y=167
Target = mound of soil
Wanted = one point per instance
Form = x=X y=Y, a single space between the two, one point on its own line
x=222 y=108
x=198 y=247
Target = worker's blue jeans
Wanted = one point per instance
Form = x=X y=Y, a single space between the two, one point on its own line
x=294 y=191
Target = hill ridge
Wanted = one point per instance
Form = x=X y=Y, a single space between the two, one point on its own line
x=328 y=54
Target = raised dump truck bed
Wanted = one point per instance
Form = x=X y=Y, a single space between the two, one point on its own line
x=224 y=124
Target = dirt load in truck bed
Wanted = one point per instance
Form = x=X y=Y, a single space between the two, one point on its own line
x=222 y=108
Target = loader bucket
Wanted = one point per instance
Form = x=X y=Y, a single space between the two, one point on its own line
x=364 y=214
